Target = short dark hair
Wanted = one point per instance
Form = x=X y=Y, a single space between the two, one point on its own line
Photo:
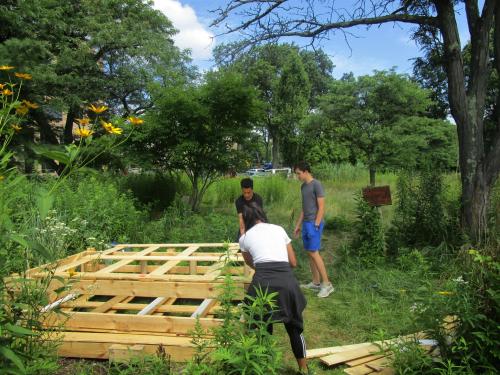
x=246 y=183
x=303 y=166
x=251 y=213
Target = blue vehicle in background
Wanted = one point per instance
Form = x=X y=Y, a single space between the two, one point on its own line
x=267 y=166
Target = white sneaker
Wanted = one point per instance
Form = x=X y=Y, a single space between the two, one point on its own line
x=312 y=286
x=325 y=291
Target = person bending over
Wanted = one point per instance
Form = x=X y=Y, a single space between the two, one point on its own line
x=267 y=249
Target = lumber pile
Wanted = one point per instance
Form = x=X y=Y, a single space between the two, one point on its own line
x=363 y=358
x=137 y=298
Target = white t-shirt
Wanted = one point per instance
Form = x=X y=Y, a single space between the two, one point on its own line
x=266 y=243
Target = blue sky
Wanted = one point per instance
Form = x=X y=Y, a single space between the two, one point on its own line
x=378 y=48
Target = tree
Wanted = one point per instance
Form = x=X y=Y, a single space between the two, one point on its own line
x=365 y=113
x=479 y=165
x=195 y=129
x=284 y=89
x=84 y=51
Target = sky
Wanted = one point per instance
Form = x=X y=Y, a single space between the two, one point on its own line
x=378 y=48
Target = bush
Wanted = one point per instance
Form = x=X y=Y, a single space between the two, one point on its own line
x=368 y=243
x=156 y=190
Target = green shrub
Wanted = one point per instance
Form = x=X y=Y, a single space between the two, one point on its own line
x=368 y=242
x=156 y=190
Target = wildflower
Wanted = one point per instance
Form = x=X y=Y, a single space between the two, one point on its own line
x=460 y=280
x=84 y=133
x=110 y=128
x=445 y=293
x=2 y=177
x=2 y=85
x=23 y=75
x=83 y=121
x=22 y=110
x=6 y=67
x=98 y=110
x=71 y=272
x=135 y=121
x=17 y=128
x=30 y=105
x=7 y=92
x=473 y=252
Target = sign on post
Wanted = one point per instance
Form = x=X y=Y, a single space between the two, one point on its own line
x=377 y=196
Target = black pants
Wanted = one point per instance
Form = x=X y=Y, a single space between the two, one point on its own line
x=296 y=339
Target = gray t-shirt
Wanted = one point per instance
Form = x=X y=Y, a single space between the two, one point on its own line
x=310 y=193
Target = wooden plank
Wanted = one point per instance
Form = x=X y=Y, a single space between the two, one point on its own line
x=152 y=306
x=335 y=359
x=127 y=323
x=358 y=370
x=379 y=364
x=104 y=307
x=121 y=353
x=60 y=301
x=129 y=259
x=91 y=345
x=164 y=268
x=362 y=360
x=203 y=309
x=200 y=258
x=321 y=352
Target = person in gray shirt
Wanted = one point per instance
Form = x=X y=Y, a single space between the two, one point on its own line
x=311 y=224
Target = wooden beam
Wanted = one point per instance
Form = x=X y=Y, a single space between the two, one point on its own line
x=149 y=309
x=203 y=309
x=108 y=305
x=59 y=302
x=128 y=323
x=167 y=266
x=129 y=258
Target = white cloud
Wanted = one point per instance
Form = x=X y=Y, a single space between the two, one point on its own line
x=192 y=34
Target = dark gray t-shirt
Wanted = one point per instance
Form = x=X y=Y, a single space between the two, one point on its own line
x=310 y=193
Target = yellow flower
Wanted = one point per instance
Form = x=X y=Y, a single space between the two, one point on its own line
x=1 y=177
x=135 y=121
x=1 y=86
x=23 y=75
x=84 y=133
x=17 y=128
x=71 y=272
x=110 y=128
x=30 y=105
x=7 y=92
x=6 y=67
x=83 y=121
x=22 y=110
x=99 y=109
x=445 y=293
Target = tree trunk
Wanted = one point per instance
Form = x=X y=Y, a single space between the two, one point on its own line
x=68 y=126
x=372 y=176
x=478 y=168
x=276 y=151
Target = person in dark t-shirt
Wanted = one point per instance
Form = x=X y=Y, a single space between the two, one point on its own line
x=246 y=198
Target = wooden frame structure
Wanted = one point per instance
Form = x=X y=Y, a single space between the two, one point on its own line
x=133 y=298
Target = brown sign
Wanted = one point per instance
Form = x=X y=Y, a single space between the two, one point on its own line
x=378 y=195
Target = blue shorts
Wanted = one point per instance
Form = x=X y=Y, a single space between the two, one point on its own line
x=311 y=237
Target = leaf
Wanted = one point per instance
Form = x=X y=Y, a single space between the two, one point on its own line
x=51 y=153
x=44 y=202
x=13 y=357
x=40 y=250
x=19 y=331
x=20 y=240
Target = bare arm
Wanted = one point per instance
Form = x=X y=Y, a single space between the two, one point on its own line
x=299 y=224
x=291 y=255
x=321 y=210
x=248 y=259
x=242 y=224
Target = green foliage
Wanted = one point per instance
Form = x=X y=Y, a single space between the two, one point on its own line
x=194 y=128
x=156 y=190
x=158 y=364
x=424 y=214
x=368 y=243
